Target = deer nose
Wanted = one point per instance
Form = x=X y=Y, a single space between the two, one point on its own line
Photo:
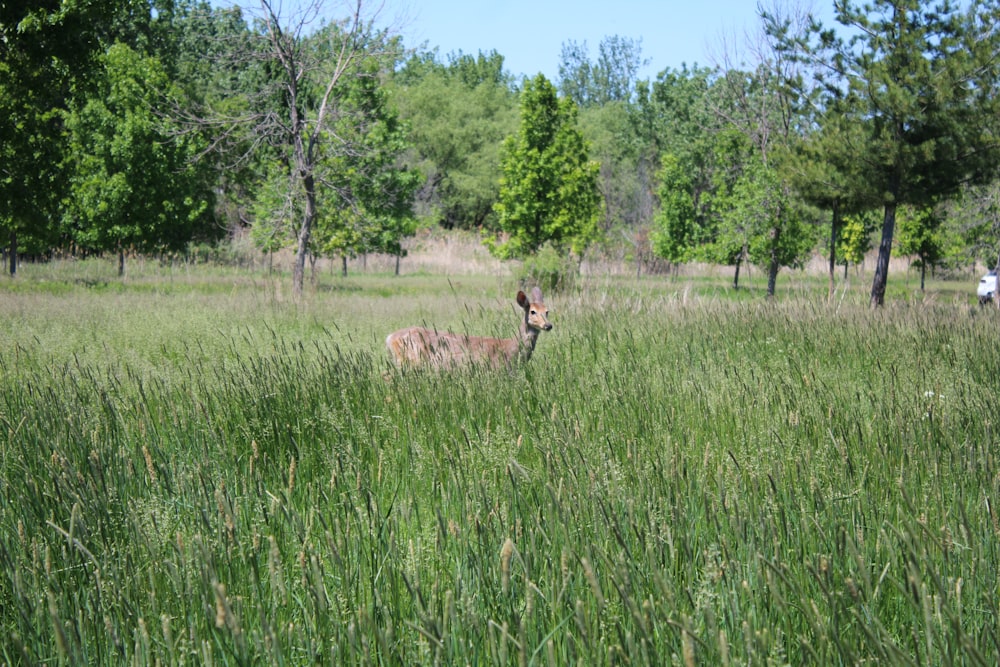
x=548 y=326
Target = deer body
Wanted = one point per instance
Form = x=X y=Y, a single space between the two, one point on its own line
x=417 y=346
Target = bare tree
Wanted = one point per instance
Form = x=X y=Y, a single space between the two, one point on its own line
x=308 y=64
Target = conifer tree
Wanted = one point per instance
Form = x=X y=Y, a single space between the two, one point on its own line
x=920 y=78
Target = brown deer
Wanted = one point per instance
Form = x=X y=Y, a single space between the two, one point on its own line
x=417 y=346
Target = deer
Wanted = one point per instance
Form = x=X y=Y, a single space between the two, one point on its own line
x=418 y=346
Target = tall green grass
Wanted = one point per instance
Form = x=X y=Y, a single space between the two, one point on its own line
x=213 y=476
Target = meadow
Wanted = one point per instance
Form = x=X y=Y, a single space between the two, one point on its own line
x=197 y=469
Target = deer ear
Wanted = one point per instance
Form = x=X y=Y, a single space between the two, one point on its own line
x=522 y=300
x=536 y=295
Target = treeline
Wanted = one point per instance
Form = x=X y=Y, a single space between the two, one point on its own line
x=146 y=125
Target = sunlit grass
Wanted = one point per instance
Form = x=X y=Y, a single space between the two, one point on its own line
x=224 y=475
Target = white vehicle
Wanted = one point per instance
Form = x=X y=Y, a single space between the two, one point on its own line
x=987 y=289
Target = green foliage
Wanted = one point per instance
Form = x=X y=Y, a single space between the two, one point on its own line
x=551 y=270
x=919 y=79
x=133 y=180
x=623 y=179
x=920 y=234
x=457 y=113
x=673 y=239
x=368 y=193
x=47 y=59
x=609 y=79
x=365 y=193
x=775 y=228
x=973 y=219
x=548 y=191
x=674 y=113
x=761 y=213
x=855 y=238
x=275 y=212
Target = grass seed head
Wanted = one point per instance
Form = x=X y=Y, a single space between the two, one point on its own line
x=506 y=553
x=588 y=572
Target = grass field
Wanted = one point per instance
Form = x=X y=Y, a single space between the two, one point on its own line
x=196 y=469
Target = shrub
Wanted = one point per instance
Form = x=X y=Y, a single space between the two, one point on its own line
x=550 y=269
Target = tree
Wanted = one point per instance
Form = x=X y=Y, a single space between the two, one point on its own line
x=133 y=183
x=47 y=52
x=374 y=188
x=674 y=237
x=758 y=215
x=762 y=206
x=372 y=179
x=975 y=217
x=203 y=51
x=612 y=78
x=920 y=234
x=720 y=238
x=677 y=130
x=762 y=106
x=854 y=238
x=458 y=114
x=921 y=79
x=548 y=188
x=305 y=77
x=824 y=172
x=624 y=184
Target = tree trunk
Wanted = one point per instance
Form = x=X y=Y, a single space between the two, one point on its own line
x=736 y=273
x=13 y=253
x=397 y=264
x=884 y=252
x=121 y=262
x=302 y=247
x=923 y=274
x=304 y=167
x=772 y=279
x=834 y=233
x=343 y=266
x=773 y=265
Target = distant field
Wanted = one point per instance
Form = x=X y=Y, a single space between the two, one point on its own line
x=197 y=469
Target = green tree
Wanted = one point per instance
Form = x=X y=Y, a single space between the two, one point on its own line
x=762 y=106
x=921 y=79
x=611 y=78
x=854 y=238
x=204 y=51
x=304 y=76
x=379 y=188
x=974 y=217
x=674 y=235
x=133 y=180
x=458 y=114
x=825 y=174
x=763 y=211
x=676 y=128
x=548 y=188
x=724 y=239
x=372 y=187
x=47 y=54
x=624 y=185
x=920 y=235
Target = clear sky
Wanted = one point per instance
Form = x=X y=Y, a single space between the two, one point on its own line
x=529 y=34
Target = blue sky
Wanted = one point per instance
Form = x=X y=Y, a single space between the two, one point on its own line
x=529 y=34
